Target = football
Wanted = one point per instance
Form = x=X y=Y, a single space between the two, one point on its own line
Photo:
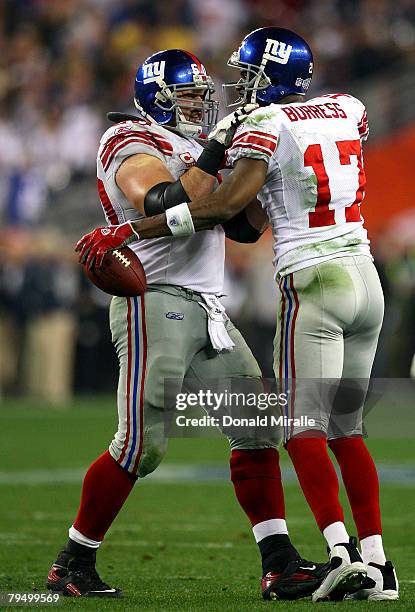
x=121 y=274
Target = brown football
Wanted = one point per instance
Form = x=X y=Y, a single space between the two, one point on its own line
x=121 y=274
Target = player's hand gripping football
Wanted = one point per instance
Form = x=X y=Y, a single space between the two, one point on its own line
x=225 y=129
x=93 y=246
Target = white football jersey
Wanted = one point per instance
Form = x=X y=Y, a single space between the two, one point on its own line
x=195 y=262
x=315 y=180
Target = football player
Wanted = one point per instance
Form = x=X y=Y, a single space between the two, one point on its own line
x=304 y=160
x=178 y=329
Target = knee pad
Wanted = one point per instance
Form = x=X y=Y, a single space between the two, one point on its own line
x=154 y=449
x=161 y=367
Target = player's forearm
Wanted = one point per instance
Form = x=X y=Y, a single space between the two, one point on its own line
x=234 y=194
x=217 y=207
x=206 y=213
x=197 y=183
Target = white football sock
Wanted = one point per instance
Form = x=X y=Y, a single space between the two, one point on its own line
x=78 y=537
x=372 y=550
x=336 y=534
x=270 y=527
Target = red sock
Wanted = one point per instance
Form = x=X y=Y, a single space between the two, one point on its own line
x=105 y=489
x=361 y=483
x=318 y=478
x=256 y=477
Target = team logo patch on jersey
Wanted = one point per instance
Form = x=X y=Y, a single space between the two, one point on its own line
x=176 y=316
x=187 y=158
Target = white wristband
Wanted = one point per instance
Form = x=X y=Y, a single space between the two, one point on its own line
x=179 y=220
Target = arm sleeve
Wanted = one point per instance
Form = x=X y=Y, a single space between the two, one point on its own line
x=240 y=230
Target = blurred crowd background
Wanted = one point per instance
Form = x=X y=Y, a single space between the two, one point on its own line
x=65 y=63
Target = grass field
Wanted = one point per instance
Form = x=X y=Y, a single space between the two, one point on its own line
x=181 y=542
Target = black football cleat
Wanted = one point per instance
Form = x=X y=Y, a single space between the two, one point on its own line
x=299 y=579
x=77 y=577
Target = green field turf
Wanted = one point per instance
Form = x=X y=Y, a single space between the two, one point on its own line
x=176 y=545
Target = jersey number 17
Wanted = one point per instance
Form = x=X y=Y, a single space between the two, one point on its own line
x=313 y=156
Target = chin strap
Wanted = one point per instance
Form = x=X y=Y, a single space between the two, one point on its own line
x=192 y=130
x=189 y=129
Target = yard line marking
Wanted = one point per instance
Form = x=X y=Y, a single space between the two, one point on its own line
x=187 y=473
x=137 y=543
x=185 y=544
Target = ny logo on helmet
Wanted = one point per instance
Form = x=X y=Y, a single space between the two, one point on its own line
x=276 y=51
x=153 y=71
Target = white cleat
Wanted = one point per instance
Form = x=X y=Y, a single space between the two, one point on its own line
x=381 y=584
x=346 y=574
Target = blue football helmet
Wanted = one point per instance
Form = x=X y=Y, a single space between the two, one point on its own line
x=274 y=62
x=158 y=86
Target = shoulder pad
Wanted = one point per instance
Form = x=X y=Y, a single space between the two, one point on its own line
x=119 y=117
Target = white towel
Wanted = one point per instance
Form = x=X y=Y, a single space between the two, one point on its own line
x=217 y=318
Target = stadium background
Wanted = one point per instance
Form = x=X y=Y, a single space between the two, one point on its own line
x=63 y=65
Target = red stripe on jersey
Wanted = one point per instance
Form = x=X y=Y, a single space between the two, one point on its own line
x=242 y=136
x=159 y=139
x=255 y=140
x=106 y=204
x=337 y=95
x=153 y=140
x=363 y=125
x=141 y=139
x=118 y=145
x=119 y=135
x=267 y=150
x=113 y=142
x=364 y=118
x=163 y=145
